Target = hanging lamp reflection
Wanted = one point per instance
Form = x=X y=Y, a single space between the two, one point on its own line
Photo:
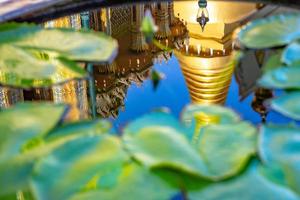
x=202 y=16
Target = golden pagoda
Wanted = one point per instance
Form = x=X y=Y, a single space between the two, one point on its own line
x=205 y=57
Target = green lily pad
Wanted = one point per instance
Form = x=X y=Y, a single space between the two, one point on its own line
x=281 y=78
x=248 y=186
x=155 y=119
x=24 y=68
x=81 y=45
x=24 y=122
x=288 y=105
x=280 y=146
x=164 y=147
x=291 y=54
x=86 y=128
x=135 y=182
x=31 y=56
x=196 y=116
x=273 y=31
x=226 y=149
x=67 y=169
x=10 y=32
x=226 y=115
x=220 y=152
x=18 y=126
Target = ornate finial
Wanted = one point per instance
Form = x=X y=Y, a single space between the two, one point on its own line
x=202 y=16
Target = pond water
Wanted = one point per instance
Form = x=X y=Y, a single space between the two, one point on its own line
x=145 y=78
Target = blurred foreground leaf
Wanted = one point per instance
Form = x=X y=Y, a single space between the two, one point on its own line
x=280 y=146
x=24 y=68
x=134 y=182
x=291 y=54
x=273 y=31
x=18 y=126
x=250 y=185
x=219 y=152
x=281 y=78
x=75 y=45
x=288 y=105
x=31 y=56
x=74 y=164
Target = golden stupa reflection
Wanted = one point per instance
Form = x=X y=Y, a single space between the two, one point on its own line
x=206 y=56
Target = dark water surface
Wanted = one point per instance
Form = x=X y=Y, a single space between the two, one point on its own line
x=199 y=69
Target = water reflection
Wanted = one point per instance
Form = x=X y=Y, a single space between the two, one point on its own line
x=204 y=56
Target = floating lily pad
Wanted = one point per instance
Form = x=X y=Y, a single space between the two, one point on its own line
x=195 y=115
x=31 y=56
x=273 y=31
x=226 y=149
x=248 y=186
x=23 y=68
x=280 y=146
x=67 y=169
x=164 y=147
x=288 y=105
x=87 y=128
x=135 y=182
x=281 y=78
x=10 y=32
x=220 y=152
x=291 y=54
x=156 y=119
x=81 y=45
x=24 y=122
x=19 y=125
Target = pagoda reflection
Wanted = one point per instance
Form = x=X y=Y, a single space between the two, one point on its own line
x=206 y=56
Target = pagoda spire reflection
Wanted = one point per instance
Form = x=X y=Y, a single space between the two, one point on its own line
x=206 y=57
x=260 y=96
x=138 y=41
x=162 y=21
